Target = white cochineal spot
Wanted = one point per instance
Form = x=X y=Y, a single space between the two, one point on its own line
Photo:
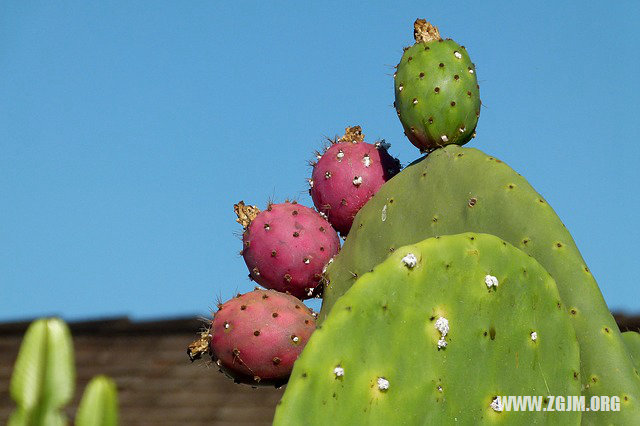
x=470 y=71
x=310 y=183
x=339 y=155
x=338 y=371
x=442 y=325
x=491 y=281
x=383 y=384
x=366 y=160
x=496 y=404
x=444 y=138
x=457 y=54
x=410 y=260
x=327 y=175
x=534 y=336
x=357 y=181
x=384 y=213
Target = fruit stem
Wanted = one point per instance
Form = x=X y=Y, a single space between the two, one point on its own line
x=245 y=213
x=353 y=135
x=424 y=32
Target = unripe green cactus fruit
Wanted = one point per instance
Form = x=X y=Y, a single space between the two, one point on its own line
x=433 y=335
x=456 y=190
x=436 y=91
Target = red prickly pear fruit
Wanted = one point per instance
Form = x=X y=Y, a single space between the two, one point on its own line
x=347 y=175
x=256 y=337
x=287 y=246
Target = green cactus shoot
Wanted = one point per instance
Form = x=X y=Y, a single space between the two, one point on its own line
x=43 y=381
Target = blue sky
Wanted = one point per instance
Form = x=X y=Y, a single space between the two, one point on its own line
x=129 y=129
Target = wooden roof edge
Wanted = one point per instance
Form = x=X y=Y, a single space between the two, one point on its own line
x=118 y=326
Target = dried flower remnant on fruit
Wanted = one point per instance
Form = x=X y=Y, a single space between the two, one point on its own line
x=245 y=213
x=200 y=346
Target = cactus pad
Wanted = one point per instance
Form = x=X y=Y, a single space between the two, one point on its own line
x=632 y=342
x=455 y=190
x=433 y=335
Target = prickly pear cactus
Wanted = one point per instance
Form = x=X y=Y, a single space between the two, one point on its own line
x=434 y=335
x=456 y=190
x=436 y=91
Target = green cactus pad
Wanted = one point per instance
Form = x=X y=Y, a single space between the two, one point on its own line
x=436 y=93
x=632 y=342
x=43 y=379
x=455 y=190
x=99 y=404
x=385 y=356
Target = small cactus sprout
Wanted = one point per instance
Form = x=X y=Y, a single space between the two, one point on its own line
x=491 y=281
x=436 y=91
x=256 y=337
x=348 y=174
x=286 y=246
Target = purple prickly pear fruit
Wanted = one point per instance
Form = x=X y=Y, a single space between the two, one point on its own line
x=256 y=337
x=347 y=175
x=286 y=246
